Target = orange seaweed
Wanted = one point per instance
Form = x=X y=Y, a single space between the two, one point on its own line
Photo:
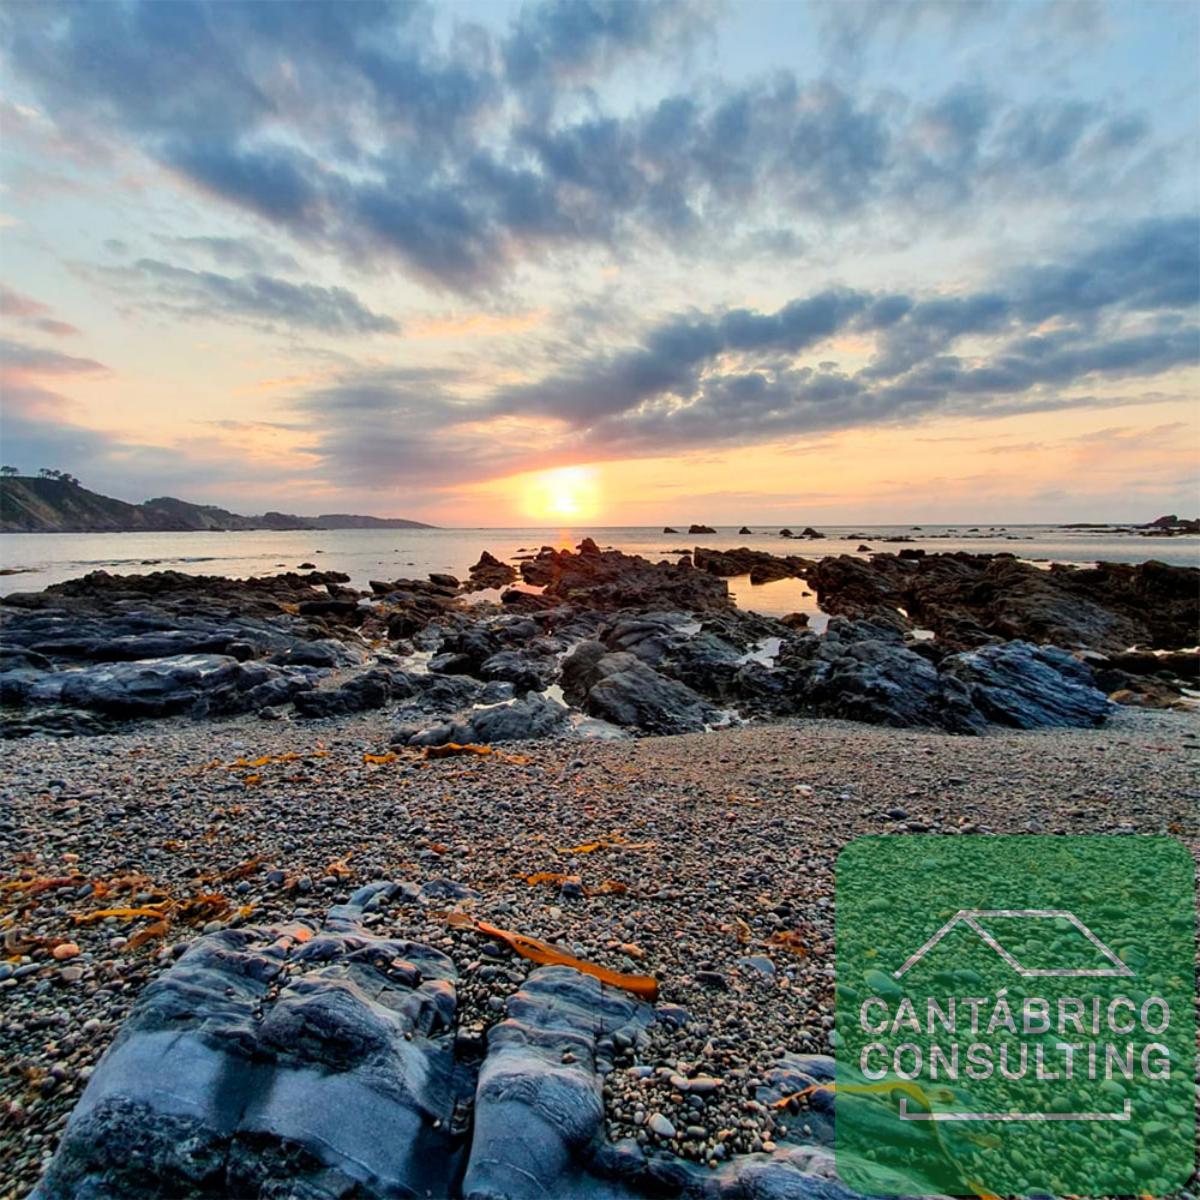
x=643 y=986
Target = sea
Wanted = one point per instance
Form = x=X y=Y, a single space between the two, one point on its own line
x=37 y=560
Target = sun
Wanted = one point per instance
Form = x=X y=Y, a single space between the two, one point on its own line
x=563 y=494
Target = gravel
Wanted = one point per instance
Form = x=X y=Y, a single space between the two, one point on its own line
x=724 y=841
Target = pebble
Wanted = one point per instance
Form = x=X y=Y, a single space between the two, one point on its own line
x=659 y=1125
x=722 y=1024
x=65 y=950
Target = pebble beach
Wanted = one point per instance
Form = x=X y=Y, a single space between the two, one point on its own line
x=706 y=860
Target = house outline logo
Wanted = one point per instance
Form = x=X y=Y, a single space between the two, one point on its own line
x=970 y=918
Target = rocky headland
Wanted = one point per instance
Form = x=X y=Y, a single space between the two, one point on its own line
x=58 y=503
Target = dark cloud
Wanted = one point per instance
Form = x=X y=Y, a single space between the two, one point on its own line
x=379 y=427
x=358 y=129
x=1123 y=308
x=565 y=37
x=255 y=298
x=673 y=355
x=738 y=377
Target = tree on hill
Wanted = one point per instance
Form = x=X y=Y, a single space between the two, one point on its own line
x=9 y=471
x=51 y=473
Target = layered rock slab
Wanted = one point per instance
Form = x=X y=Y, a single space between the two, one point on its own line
x=286 y=1062
x=318 y=1063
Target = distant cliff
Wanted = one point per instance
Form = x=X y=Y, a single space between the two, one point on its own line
x=30 y=504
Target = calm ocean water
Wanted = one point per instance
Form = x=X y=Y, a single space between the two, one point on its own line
x=366 y=554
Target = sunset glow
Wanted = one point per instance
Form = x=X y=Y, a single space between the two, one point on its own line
x=564 y=494
x=818 y=251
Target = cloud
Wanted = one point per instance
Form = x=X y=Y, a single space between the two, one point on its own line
x=255 y=299
x=244 y=253
x=377 y=427
x=27 y=311
x=459 y=158
x=577 y=40
x=1122 y=308
x=737 y=377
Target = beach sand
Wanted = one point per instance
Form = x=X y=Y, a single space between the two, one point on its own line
x=723 y=840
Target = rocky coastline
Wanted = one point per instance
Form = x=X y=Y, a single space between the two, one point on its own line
x=280 y=851
x=601 y=641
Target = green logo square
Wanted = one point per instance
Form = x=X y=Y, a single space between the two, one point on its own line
x=1015 y=1015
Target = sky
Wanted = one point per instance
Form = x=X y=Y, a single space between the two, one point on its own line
x=622 y=263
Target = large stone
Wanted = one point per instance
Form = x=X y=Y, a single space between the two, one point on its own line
x=539 y=1120
x=862 y=674
x=629 y=693
x=971 y=599
x=184 y=683
x=1029 y=687
x=534 y=716
x=319 y=1059
x=609 y=579
x=371 y=689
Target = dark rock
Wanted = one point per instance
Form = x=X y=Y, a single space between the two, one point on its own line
x=539 y=1119
x=372 y=689
x=490 y=572
x=580 y=671
x=744 y=532
x=55 y=722
x=534 y=716
x=448 y=693
x=668 y=529
x=810 y=533
x=525 y=672
x=188 y=683
x=631 y=694
x=701 y=529
x=327 y=1062
x=307 y=567
x=1029 y=687
x=345 y=612
x=608 y=579
x=444 y=581
x=326 y=652
x=971 y=599
x=758 y=564
x=865 y=673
